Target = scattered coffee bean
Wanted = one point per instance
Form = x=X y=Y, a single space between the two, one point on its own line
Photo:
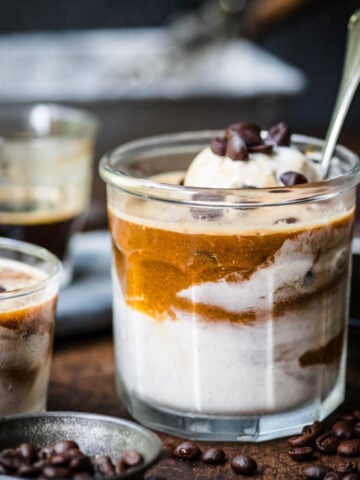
x=343 y=430
x=299 y=441
x=356 y=413
x=332 y=476
x=313 y=430
x=351 y=476
x=301 y=453
x=349 y=448
x=346 y=466
x=327 y=443
x=315 y=471
x=187 y=451
x=213 y=455
x=356 y=429
x=244 y=465
x=292 y=178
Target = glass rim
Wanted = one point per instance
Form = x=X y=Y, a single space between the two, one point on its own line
x=221 y=197
x=40 y=253
x=86 y=122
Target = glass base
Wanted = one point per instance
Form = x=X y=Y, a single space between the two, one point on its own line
x=249 y=428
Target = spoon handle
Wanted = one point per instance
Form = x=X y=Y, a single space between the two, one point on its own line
x=349 y=83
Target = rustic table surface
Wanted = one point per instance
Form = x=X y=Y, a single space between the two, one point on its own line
x=82 y=379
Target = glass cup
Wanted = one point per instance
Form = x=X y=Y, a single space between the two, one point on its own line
x=29 y=284
x=45 y=175
x=230 y=306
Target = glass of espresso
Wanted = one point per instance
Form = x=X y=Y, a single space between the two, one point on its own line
x=29 y=285
x=45 y=175
x=230 y=280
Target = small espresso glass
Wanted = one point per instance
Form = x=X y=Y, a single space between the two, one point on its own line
x=29 y=284
x=230 y=305
x=46 y=153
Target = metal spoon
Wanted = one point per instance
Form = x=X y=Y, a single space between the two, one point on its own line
x=349 y=83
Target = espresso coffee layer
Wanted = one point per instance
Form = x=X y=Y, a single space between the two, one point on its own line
x=48 y=232
x=163 y=264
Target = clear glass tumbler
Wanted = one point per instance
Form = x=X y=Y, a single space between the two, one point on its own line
x=46 y=154
x=29 y=285
x=230 y=306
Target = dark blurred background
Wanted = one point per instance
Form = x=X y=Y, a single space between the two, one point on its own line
x=307 y=34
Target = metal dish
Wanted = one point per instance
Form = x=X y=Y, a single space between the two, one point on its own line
x=95 y=434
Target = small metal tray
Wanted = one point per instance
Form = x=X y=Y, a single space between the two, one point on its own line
x=95 y=434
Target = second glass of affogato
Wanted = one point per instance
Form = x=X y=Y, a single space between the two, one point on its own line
x=231 y=280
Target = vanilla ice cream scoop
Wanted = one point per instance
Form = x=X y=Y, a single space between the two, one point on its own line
x=243 y=159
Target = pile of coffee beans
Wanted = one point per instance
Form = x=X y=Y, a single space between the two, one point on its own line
x=342 y=438
x=188 y=451
x=63 y=460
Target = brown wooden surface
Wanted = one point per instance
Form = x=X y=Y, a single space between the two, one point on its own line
x=82 y=379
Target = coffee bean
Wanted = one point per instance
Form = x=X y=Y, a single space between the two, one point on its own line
x=332 y=476
x=349 y=448
x=356 y=429
x=279 y=134
x=299 y=441
x=248 y=131
x=104 y=465
x=261 y=148
x=301 y=453
x=356 y=413
x=346 y=466
x=292 y=178
x=327 y=443
x=65 y=446
x=10 y=459
x=28 y=471
x=313 y=430
x=187 y=451
x=315 y=471
x=351 y=476
x=120 y=467
x=342 y=430
x=236 y=148
x=56 y=472
x=131 y=458
x=244 y=465
x=213 y=455
x=60 y=459
x=218 y=146
x=81 y=463
x=28 y=451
